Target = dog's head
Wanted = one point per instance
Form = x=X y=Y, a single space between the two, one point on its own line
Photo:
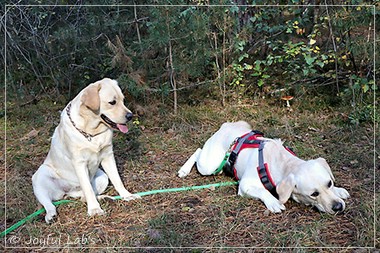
x=312 y=184
x=105 y=100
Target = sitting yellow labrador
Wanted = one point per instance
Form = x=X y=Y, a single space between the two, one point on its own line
x=80 y=144
x=267 y=170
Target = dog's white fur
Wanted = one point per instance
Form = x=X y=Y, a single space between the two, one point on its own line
x=293 y=176
x=72 y=165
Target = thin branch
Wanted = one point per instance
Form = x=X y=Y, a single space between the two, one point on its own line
x=334 y=45
x=171 y=70
x=137 y=24
x=224 y=60
x=182 y=88
x=221 y=87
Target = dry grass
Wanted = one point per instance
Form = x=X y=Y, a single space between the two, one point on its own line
x=149 y=157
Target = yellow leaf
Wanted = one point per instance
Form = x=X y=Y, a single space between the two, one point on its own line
x=248 y=66
x=312 y=41
x=300 y=31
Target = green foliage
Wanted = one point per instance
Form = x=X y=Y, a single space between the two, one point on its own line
x=128 y=84
x=360 y=93
x=287 y=45
x=363 y=114
x=60 y=49
x=184 y=28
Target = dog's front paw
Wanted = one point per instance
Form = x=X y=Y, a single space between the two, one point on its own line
x=50 y=215
x=127 y=196
x=275 y=206
x=95 y=211
x=131 y=197
x=341 y=192
x=182 y=174
x=184 y=171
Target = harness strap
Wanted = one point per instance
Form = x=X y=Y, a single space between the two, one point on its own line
x=247 y=142
x=240 y=141
x=264 y=174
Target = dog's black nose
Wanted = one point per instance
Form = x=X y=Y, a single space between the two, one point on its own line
x=129 y=116
x=337 y=207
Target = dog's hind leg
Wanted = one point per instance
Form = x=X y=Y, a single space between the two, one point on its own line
x=46 y=190
x=186 y=168
x=207 y=159
x=210 y=159
x=99 y=182
x=46 y=201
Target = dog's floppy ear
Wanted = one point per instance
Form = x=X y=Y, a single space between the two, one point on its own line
x=90 y=97
x=285 y=188
x=325 y=165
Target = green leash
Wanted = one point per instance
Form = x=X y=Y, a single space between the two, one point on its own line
x=220 y=168
x=64 y=201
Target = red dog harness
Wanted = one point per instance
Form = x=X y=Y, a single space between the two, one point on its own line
x=250 y=140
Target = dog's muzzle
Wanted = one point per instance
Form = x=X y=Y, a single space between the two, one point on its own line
x=121 y=127
x=129 y=116
x=338 y=207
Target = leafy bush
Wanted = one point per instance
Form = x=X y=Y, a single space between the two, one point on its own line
x=60 y=49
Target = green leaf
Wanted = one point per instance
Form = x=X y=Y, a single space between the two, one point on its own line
x=320 y=63
x=269 y=60
x=309 y=60
x=243 y=56
x=258 y=65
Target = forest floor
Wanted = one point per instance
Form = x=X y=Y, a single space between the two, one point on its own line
x=207 y=220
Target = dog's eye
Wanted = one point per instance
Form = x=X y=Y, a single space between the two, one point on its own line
x=113 y=102
x=329 y=184
x=315 y=194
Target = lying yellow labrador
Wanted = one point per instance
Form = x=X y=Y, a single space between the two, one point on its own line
x=80 y=144
x=267 y=170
